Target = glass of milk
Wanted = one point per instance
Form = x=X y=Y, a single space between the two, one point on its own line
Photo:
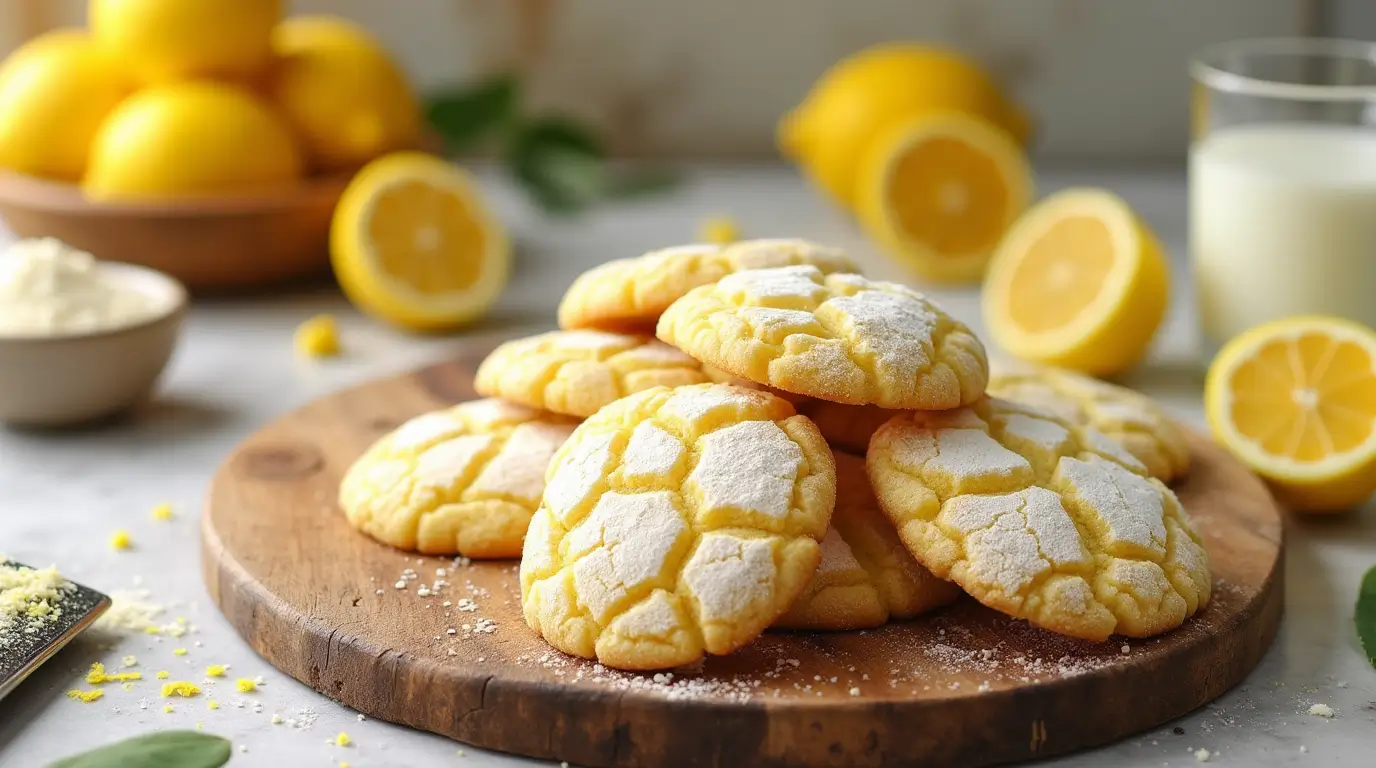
x=1283 y=183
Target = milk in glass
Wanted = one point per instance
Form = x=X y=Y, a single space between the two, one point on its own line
x=1283 y=222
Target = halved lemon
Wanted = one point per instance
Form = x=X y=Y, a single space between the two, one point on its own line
x=938 y=192
x=412 y=244
x=1295 y=400
x=1078 y=282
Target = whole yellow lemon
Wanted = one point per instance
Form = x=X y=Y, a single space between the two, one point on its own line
x=343 y=94
x=55 y=91
x=190 y=138
x=161 y=40
x=866 y=94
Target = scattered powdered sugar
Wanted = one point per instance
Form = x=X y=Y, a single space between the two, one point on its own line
x=1045 y=434
x=443 y=464
x=585 y=340
x=751 y=465
x=836 y=556
x=491 y=411
x=518 y=470
x=425 y=429
x=1130 y=506
x=691 y=405
x=651 y=453
x=963 y=455
x=759 y=286
x=622 y=544
x=580 y=472
x=730 y=576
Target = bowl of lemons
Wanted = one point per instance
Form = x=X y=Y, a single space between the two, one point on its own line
x=210 y=141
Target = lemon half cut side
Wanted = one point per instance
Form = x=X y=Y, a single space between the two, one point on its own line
x=939 y=192
x=413 y=244
x=1295 y=400
x=1079 y=282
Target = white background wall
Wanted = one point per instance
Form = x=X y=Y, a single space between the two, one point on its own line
x=1106 y=78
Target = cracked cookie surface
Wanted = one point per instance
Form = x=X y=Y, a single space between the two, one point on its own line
x=578 y=372
x=676 y=523
x=630 y=294
x=1133 y=419
x=1040 y=518
x=837 y=337
x=463 y=480
x=866 y=576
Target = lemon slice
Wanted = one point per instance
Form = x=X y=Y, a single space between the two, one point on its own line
x=413 y=244
x=938 y=192
x=1078 y=282
x=1296 y=401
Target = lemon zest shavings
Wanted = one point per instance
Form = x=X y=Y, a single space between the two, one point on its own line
x=86 y=697
x=183 y=688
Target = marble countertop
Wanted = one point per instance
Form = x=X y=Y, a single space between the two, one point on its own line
x=64 y=494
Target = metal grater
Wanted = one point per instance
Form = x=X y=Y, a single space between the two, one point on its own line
x=26 y=652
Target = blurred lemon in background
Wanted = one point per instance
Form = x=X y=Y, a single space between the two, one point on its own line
x=191 y=137
x=863 y=95
x=1078 y=282
x=938 y=191
x=1295 y=400
x=161 y=40
x=340 y=90
x=413 y=244
x=55 y=90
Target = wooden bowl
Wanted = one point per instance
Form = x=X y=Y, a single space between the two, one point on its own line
x=209 y=243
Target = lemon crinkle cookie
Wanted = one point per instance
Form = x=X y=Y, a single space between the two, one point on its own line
x=866 y=576
x=464 y=480
x=837 y=337
x=578 y=372
x=847 y=427
x=1133 y=419
x=630 y=294
x=1041 y=519
x=676 y=523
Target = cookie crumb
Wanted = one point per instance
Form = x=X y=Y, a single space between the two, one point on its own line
x=1321 y=710
x=1202 y=755
x=855 y=691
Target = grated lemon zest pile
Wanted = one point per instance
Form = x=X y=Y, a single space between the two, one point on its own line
x=97 y=675
x=215 y=670
x=182 y=688
x=29 y=598
x=120 y=540
x=245 y=685
x=162 y=512
x=86 y=697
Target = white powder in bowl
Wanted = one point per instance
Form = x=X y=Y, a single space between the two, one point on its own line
x=48 y=288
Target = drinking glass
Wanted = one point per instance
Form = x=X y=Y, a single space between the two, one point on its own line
x=1282 y=182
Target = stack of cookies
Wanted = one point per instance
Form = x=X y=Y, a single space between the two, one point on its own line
x=802 y=448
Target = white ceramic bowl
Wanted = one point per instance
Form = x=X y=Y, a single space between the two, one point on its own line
x=65 y=380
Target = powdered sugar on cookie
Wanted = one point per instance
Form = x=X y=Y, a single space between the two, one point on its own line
x=676 y=523
x=1028 y=514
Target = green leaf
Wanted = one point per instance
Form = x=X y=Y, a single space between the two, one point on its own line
x=559 y=162
x=465 y=117
x=165 y=749
x=640 y=182
x=1366 y=614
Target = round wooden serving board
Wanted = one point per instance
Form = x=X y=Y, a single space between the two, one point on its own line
x=965 y=686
